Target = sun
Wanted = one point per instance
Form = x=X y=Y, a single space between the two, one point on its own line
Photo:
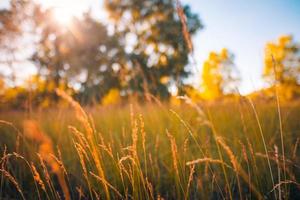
x=65 y=10
x=64 y=15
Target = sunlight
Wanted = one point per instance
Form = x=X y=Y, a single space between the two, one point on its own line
x=66 y=10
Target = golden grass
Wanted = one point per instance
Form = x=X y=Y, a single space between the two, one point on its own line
x=238 y=169
x=150 y=153
x=13 y=181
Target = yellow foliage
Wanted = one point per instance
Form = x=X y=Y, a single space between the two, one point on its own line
x=11 y=93
x=2 y=86
x=284 y=40
x=45 y=103
x=193 y=94
x=164 y=79
x=175 y=101
x=112 y=98
x=216 y=74
x=224 y=54
x=282 y=61
x=163 y=60
x=287 y=92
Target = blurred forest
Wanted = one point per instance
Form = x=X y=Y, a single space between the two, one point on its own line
x=144 y=52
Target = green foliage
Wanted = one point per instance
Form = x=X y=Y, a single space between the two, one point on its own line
x=82 y=53
x=144 y=52
x=153 y=35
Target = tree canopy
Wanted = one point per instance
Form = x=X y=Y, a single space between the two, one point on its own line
x=282 y=61
x=282 y=67
x=141 y=50
x=219 y=75
x=156 y=51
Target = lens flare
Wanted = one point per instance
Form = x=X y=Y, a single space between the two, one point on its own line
x=65 y=10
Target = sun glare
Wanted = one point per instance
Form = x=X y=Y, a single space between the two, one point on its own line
x=66 y=10
x=64 y=16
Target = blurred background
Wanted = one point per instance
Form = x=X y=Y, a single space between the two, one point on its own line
x=110 y=51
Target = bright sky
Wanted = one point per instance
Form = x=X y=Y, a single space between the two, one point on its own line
x=242 y=26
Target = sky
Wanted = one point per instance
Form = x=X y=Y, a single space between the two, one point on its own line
x=242 y=26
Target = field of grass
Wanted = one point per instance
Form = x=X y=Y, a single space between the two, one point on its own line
x=228 y=150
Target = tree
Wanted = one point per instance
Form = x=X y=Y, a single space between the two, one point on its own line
x=156 y=51
x=12 y=19
x=282 y=68
x=144 y=51
x=219 y=75
x=282 y=61
x=81 y=54
x=2 y=85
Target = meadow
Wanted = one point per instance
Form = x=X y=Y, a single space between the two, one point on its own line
x=240 y=149
x=131 y=134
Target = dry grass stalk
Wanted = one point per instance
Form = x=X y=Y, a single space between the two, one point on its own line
x=37 y=178
x=85 y=121
x=244 y=151
x=207 y=160
x=133 y=148
x=285 y=182
x=192 y=171
x=134 y=136
x=185 y=146
x=128 y=157
x=150 y=188
x=4 y=160
x=245 y=156
x=80 y=152
x=103 y=181
x=80 y=193
x=46 y=174
x=174 y=152
x=295 y=149
x=80 y=137
x=97 y=196
x=159 y=197
x=199 y=110
x=33 y=131
x=96 y=158
x=123 y=169
x=288 y=171
x=238 y=169
x=278 y=170
x=251 y=150
x=60 y=164
x=134 y=141
x=263 y=140
x=80 y=113
x=107 y=149
x=143 y=133
x=18 y=144
x=13 y=181
x=185 y=30
x=60 y=159
x=12 y=126
x=280 y=122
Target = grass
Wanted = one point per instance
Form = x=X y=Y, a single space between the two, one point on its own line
x=227 y=150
